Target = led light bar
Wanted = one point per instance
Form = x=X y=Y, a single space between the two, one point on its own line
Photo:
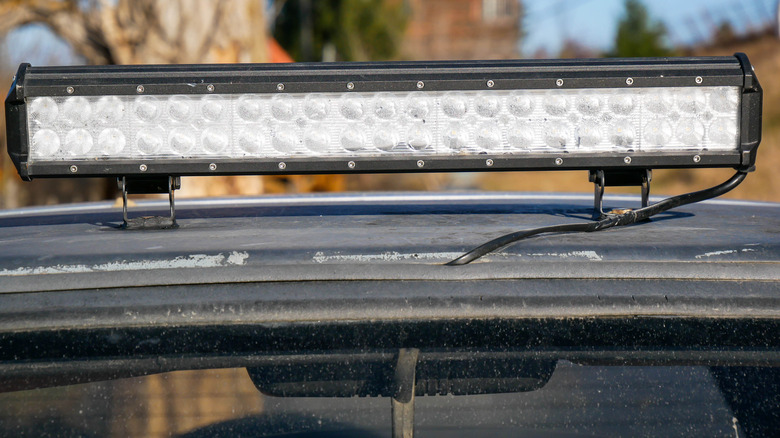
x=384 y=117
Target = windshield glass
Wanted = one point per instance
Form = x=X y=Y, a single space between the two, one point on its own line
x=578 y=400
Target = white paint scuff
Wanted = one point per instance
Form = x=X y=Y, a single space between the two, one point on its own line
x=320 y=257
x=723 y=252
x=235 y=258
x=590 y=255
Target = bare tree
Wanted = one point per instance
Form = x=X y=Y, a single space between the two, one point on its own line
x=148 y=31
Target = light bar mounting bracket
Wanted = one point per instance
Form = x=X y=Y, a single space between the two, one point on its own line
x=618 y=178
x=167 y=185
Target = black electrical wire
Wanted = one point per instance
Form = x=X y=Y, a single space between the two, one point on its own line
x=611 y=220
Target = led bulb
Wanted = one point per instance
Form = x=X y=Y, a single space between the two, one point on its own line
x=212 y=107
x=456 y=136
x=109 y=110
x=316 y=138
x=180 y=108
x=520 y=104
x=556 y=104
x=77 y=142
x=723 y=132
x=181 y=140
x=520 y=135
x=659 y=102
x=43 y=110
x=454 y=104
x=588 y=104
x=284 y=138
x=556 y=134
x=487 y=105
x=215 y=140
x=621 y=103
x=384 y=106
x=691 y=101
x=588 y=133
x=250 y=108
x=417 y=106
x=250 y=140
x=385 y=138
x=111 y=141
x=488 y=136
x=690 y=131
x=724 y=101
x=418 y=136
x=45 y=143
x=315 y=107
x=282 y=107
x=622 y=133
x=352 y=138
x=657 y=132
x=150 y=141
x=351 y=106
x=147 y=108
x=76 y=111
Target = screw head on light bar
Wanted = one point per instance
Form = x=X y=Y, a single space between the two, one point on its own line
x=384 y=117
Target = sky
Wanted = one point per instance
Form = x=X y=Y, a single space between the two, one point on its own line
x=593 y=23
x=547 y=24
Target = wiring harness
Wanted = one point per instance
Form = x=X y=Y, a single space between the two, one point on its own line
x=610 y=220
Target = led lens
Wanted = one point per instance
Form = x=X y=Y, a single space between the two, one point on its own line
x=375 y=124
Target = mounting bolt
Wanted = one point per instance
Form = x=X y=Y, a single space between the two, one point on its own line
x=70 y=90
x=627 y=160
x=558 y=161
x=490 y=83
x=350 y=86
x=420 y=163
x=282 y=165
x=696 y=158
x=139 y=89
x=629 y=81
x=210 y=88
x=420 y=84
x=559 y=82
x=488 y=162
x=74 y=169
x=142 y=168
x=351 y=164
x=279 y=87
x=699 y=79
x=213 y=166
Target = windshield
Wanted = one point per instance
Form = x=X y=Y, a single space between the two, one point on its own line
x=578 y=400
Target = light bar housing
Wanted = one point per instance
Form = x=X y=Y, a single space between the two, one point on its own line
x=433 y=80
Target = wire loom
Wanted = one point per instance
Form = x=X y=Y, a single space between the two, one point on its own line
x=610 y=221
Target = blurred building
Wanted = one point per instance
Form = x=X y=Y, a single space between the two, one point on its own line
x=462 y=29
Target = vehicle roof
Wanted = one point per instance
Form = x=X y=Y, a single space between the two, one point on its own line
x=379 y=237
x=244 y=278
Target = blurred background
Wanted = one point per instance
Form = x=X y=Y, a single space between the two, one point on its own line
x=57 y=32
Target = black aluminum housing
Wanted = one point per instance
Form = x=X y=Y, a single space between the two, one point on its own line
x=385 y=76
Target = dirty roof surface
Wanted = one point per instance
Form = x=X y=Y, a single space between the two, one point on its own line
x=378 y=237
